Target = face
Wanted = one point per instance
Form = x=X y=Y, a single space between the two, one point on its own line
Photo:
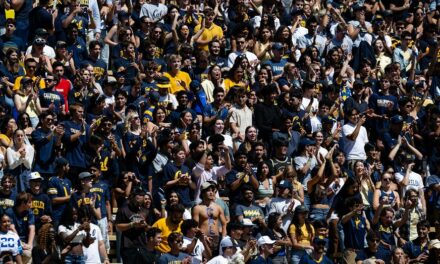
x=31 y=68
x=238 y=74
x=175 y=64
x=5 y=223
x=248 y=196
x=422 y=231
x=180 y=156
x=176 y=217
x=373 y=244
x=399 y=256
x=35 y=186
x=353 y=189
x=174 y=199
x=219 y=126
x=7 y=185
x=79 y=113
x=319 y=138
x=265 y=169
x=210 y=193
x=241 y=44
x=252 y=134
x=19 y=137
x=215 y=48
x=87 y=182
x=187 y=118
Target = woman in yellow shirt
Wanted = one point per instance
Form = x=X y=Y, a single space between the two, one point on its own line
x=236 y=77
x=301 y=233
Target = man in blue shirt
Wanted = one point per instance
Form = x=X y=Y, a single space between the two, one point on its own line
x=84 y=196
x=41 y=204
x=74 y=139
x=318 y=255
x=102 y=190
x=265 y=246
x=277 y=62
x=59 y=190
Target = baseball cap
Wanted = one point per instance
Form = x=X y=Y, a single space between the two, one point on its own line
x=301 y=209
x=35 y=176
x=208 y=184
x=307 y=141
x=277 y=46
x=41 y=32
x=110 y=80
x=247 y=223
x=397 y=119
x=285 y=184
x=226 y=242
x=153 y=95
x=435 y=243
x=61 y=44
x=85 y=174
x=138 y=190
x=61 y=162
x=163 y=83
x=319 y=240
x=265 y=240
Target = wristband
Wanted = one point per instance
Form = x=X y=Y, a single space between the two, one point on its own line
x=131 y=224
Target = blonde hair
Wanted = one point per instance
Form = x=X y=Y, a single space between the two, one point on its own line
x=128 y=119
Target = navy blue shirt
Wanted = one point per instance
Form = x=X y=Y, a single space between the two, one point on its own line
x=171 y=172
x=307 y=259
x=74 y=150
x=231 y=177
x=261 y=260
x=48 y=97
x=44 y=148
x=102 y=190
x=99 y=68
x=22 y=222
x=41 y=205
x=7 y=200
x=355 y=232
x=58 y=187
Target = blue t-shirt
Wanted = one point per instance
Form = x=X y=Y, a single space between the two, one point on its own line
x=414 y=249
x=307 y=259
x=48 y=97
x=41 y=205
x=58 y=187
x=169 y=259
x=171 y=172
x=355 y=232
x=74 y=150
x=7 y=200
x=101 y=188
x=22 y=222
x=277 y=67
x=261 y=260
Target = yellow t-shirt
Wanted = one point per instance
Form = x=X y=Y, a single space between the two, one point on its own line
x=174 y=81
x=208 y=34
x=166 y=231
x=228 y=83
x=18 y=80
x=305 y=239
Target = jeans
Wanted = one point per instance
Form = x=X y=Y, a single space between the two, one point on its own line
x=297 y=255
x=74 y=259
x=318 y=214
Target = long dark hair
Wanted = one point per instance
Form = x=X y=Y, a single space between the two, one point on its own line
x=295 y=222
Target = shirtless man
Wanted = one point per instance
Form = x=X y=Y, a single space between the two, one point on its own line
x=207 y=214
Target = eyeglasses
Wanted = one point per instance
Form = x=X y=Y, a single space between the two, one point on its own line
x=49 y=80
x=49 y=119
x=386 y=179
x=135 y=117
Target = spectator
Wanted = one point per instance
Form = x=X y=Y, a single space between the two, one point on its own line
x=169 y=225
x=23 y=223
x=14 y=247
x=131 y=222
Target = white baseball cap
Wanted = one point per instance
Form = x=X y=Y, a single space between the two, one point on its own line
x=265 y=240
x=35 y=176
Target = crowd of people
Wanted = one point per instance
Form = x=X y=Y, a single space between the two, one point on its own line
x=220 y=131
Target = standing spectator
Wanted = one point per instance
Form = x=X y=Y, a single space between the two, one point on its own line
x=20 y=158
x=168 y=225
x=354 y=137
x=45 y=251
x=59 y=189
x=179 y=80
x=131 y=222
x=41 y=204
x=26 y=100
x=266 y=248
x=267 y=114
x=155 y=10
x=23 y=223
x=154 y=238
x=75 y=137
x=301 y=233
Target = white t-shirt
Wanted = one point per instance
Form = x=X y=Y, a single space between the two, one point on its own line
x=415 y=181
x=196 y=254
x=305 y=102
x=280 y=205
x=155 y=12
x=354 y=150
x=203 y=176
x=232 y=56
x=91 y=254
x=218 y=260
x=47 y=51
x=10 y=242
x=70 y=229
